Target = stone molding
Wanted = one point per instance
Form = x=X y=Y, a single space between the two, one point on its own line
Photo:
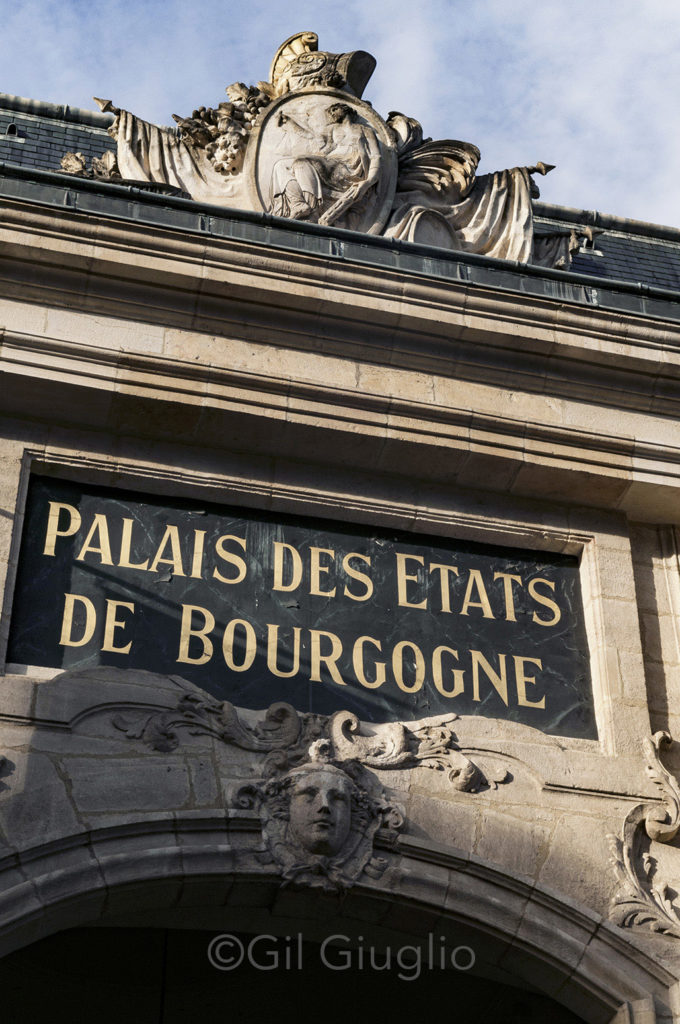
x=548 y=327
x=166 y=714
x=415 y=421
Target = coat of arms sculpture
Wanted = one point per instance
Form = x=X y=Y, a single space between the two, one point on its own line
x=306 y=146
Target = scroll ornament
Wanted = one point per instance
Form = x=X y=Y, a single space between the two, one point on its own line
x=304 y=145
x=642 y=898
x=284 y=736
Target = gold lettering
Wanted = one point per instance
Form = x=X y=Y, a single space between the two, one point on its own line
x=125 y=546
x=171 y=537
x=444 y=571
x=398 y=666
x=279 y=550
x=546 y=601
x=499 y=681
x=231 y=559
x=67 y=622
x=458 y=674
x=197 y=557
x=522 y=680
x=228 y=645
x=111 y=624
x=360 y=577
x=315 y=570
x=100 y=527
x=186 y=633
x=358 y=663
x=508 y=580
x=53 y=530
x=272 y=646
x=404 y=577
x=329 y=660
x=475 y=580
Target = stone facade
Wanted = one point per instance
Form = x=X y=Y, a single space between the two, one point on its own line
x=275 y=367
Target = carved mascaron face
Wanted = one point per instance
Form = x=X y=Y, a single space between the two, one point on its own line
x=320 y=811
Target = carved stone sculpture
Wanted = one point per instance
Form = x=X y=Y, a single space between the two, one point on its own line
x=319 y=820
x=304 y=145
x=285 y=735
x=104 y=167
x=641 y=897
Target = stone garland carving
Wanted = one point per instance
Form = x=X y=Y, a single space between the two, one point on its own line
x=640 y=898
x=285 y=735
x=304 y=145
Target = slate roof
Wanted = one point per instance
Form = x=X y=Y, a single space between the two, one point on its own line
x=627 y=250
x=46 y=131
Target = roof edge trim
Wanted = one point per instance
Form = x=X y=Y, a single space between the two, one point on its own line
x=607 y=221
x=55 y=111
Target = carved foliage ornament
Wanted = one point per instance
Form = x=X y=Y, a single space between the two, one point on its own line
x=319 y=802
x=641 y=897
x=284 y=736
x=304 y=145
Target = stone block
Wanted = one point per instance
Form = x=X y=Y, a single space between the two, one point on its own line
x=36 y=807
x=145 y=783
x=519 y=845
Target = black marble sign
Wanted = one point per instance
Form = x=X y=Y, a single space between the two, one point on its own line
x=255 y=607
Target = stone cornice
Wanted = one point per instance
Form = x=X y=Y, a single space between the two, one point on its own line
x=385 y=315
x=278 y=396
x=138 y=318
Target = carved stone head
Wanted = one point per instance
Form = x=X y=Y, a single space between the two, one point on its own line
x=320 y=808
x=319 y=822
x=338 y=112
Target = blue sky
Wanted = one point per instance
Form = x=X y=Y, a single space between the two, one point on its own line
x=589 y=86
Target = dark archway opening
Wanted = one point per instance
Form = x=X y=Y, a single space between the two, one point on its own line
x=165 y=976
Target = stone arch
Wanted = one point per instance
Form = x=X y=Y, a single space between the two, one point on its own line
x=177 y=866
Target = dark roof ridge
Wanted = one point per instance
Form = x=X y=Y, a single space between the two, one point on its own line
x=606 y=221
x=56 y=111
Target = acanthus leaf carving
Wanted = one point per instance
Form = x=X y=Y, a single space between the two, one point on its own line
x=640 y=899
x=285 y=735
x=316 y=793
x=280 y=728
